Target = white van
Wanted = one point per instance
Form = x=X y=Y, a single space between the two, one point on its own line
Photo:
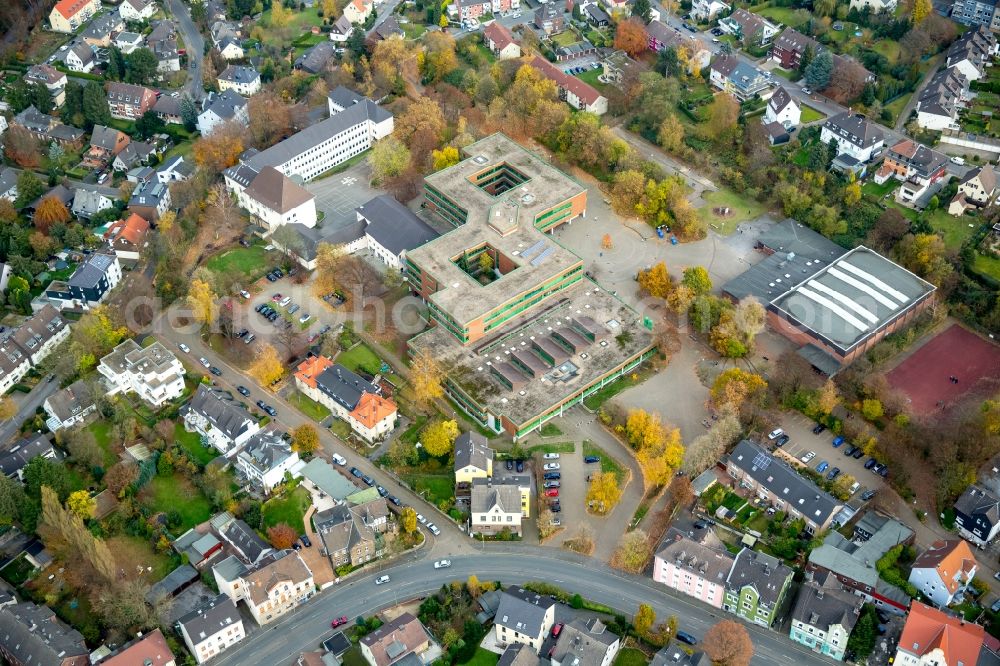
x=339 y=459
x=854 y=487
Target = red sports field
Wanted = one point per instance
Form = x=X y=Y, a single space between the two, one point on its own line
x=924 y=375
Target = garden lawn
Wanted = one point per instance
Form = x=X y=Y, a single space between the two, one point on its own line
x=954 y=230
x=132 y=552
x=434 y=487
x=175 y=493
x=308 y=406
x=101 y=430
x=555 y=447
x=810 y=115
x=482 y=657
x=564 y=38
x=609 y=465
x=299 y=23
x=873 y=189
x=252 y=261
x=17 y=571
x=590 y=77
x=191 y=443
x=888 y=48
x=988 y=266
x=631 y=657
x=783 y=15
x=595 y=400
x=741 y=208
x=290 y=509
x=360 y=357
x=787 y=74
x=896 y=106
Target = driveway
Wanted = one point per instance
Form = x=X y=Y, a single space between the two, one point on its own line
x=27 y=406
x=318 y=563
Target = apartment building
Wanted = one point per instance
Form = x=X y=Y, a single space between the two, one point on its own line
x=129 y=102
x=265 y=459
x=695 y=567
x=350 y=397
x=225 y=425
x=68 y=15
x=212 y=628
x=153 y=373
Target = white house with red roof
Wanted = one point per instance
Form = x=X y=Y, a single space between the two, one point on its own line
x=933 y=638
x=944 y=571
x=127 y=236
x=573 y=91
x=68 y=15
x=500 y=42
x=358 y=11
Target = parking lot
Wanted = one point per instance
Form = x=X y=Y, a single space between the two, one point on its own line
x=799 y=429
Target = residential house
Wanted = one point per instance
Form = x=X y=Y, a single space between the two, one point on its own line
x=943 y=572
x=211 y=629
x=275 y=586
x=596 y=16
x=99 y=32
x=226 y=37
x=152 y=373
x=129 y=102
x=137 y=10
x=389 y=27
x=774 y=481
x=68 y=15
x=875 y=6
x=341 y=29
x=918 y=167
x=127 y=236
x=276 y=200
x=198 y=547
x=581 y=96
x=315 y=59
x=231 y=48
x=979 y=186
x=168 y=109
x=149 y=649
x=619 y=69
x=756 y=586
x=162 y=41
x=979 y=13
x=518 y=654
x=358 y=11
x=348 y=396
x=695 y=567
x=550 y=18
x=392 y=229
x=136 y=153
x=662 y=36
x=265 y=459
x=856 y=137
x=942 y=98
x=783 y=109
x=933 y=638
x=585 y=643
x=351 y=534
x=69 y=406
x=225 y=425
x=738 y=78
x=708 y=10
x=499 y=40
x=242 y=538
x=523 y=617
x=89 y=284
x=174 y=170
x=403 y=638
x=675 y=655
x=749 y=28
x=31 y=635
x=50 y=77
x=222 y=108
x=790 y=46
x=473 y=457
x=824 y=616
x=141 y=175
x=977 y=514
x=81 y=58
x=615 y=6
x=463 y=10
x=150 y=200
x=89 y=201
x=494 y=508
x=48 y=129
x=852 y=561
x=972 y=53
x=105 y=144
x=23 y=451
x=242 y=80
x=127 y=42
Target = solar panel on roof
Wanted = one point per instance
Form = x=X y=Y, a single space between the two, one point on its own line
x=542 y=257
x=761 y=460
x=531 y=251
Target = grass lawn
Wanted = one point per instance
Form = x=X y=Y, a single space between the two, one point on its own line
x=483 y=657
x=131 y=552
x=565 y=38
x=434 y=487
x=175 y=493
x=895 y=107
x=608 y=464
x=780 y=14
x=602 y=395
x=413 y=30
x=555 y=447
x=252 y=261
x=954 y=230
x=550 y=430
x=191 y=443
x=631 y=657
x=308 y=406
x=811 y=115
x=876 y=191
x=289 y=509
x=987 y=266
x=360 y=356
x=590 y=77
x=787 y=74
x=888 y=48
x=342 y=429
x=17 y=571
x=299 y=23
x=101 y=430
x=741 y=210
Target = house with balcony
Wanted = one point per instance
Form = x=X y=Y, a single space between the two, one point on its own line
x=585 y=642
x=102 y=29
x=979 y=186
x=578 y=94
x=790 y=47
x=105 y=144
x=756 y=586
x=494 y=508
x=824 y=616
x=32 y=634
x=127 y=237
x=50 y=77
x=129 y=102
x=749 y=28
x=499 y=40
x=153 y=373
x=972 y=53
x=220 y=108
x=224 y=424
x=242 y=80
x=273 y=587
x=941 y=99
x=738 y=78
x=858 y=140
x=782 y=109
x=69 y=406
x=89 y=285
x=23 y=451
x=68 y=15
x=352 y=534
x=708 y=10
x=662 y=37
x=943 y=572
x=265 y=459
x=150 y=200
x=697 y=567
x=523 y=617
x=920 y=169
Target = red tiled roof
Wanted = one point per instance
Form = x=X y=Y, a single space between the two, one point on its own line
x=372 y=409
x=70 y=8
x=131 y=230
x=948 y=558
x=151 y=649
x=928 y=629
x=499 y=35
x=310 y=368
x=587 y=93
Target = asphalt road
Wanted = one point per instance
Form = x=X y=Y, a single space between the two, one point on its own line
x=415 y=576
x=193 y=42
x=31 y=403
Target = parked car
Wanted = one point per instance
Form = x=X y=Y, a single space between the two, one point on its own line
x=551 y=456
x=781 y=441
x=838 y=440
x=818 y=428
x=442 y=564
x=509 y=465
x=551 y=484
x=849 y=451
x=857 y=455
x=877 y=468
x=420 y=517
x=520 y=466
x=552 y=476
x=243 y=390
x=822 y=466
x=304 y=318
x=245 y=294
x=555 y=507
x=276 y=298
x=184 y=348
x=433 y=528
x=215 y=371
x=551 y=467
x=867 y=495
x=250 y=338
x=382 y=491
x=552 y=492
x=382 y=579
x=338 y=622
x=809 y=455
x=395 y=500
x=592 y=459
x=271 y=411
x=294 y=308
x=871 y=462
x=775 y=434
x=204 y=362
x=854 y=488
x=556 y=629
x=305 y=541
x=368 y=480
x=285 y=301
x=685 y=637
x=338 y=459
x=834 y=473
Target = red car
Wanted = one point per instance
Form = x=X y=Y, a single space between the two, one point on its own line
x=552 y=492
x=556 y=629
x=339 y=621
x=276 y=298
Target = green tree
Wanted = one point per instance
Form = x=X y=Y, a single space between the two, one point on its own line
x=408 y=520
x=81 y=504
x=72 y=110
x=819 y=71
x=95 y=105
x=644 y=619
x=116 y=64
x=140 y=66
x=871 y=409
x=643 y=10
x=862 y=639
x=696 y=278
x=189 y=113
x=44 y=472
x=149 y=124
x=29 y=188
x=388 y=158
x=42 y=98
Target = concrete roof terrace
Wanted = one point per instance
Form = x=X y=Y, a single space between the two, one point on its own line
x=540 y=384
x=505 y=222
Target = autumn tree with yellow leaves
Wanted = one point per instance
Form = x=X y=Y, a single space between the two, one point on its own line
x=438 y=438
x=267 y=368
x=736 y=386
x=656 y=281
x=202 y=301
x=603 y=492
x=426 y=376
